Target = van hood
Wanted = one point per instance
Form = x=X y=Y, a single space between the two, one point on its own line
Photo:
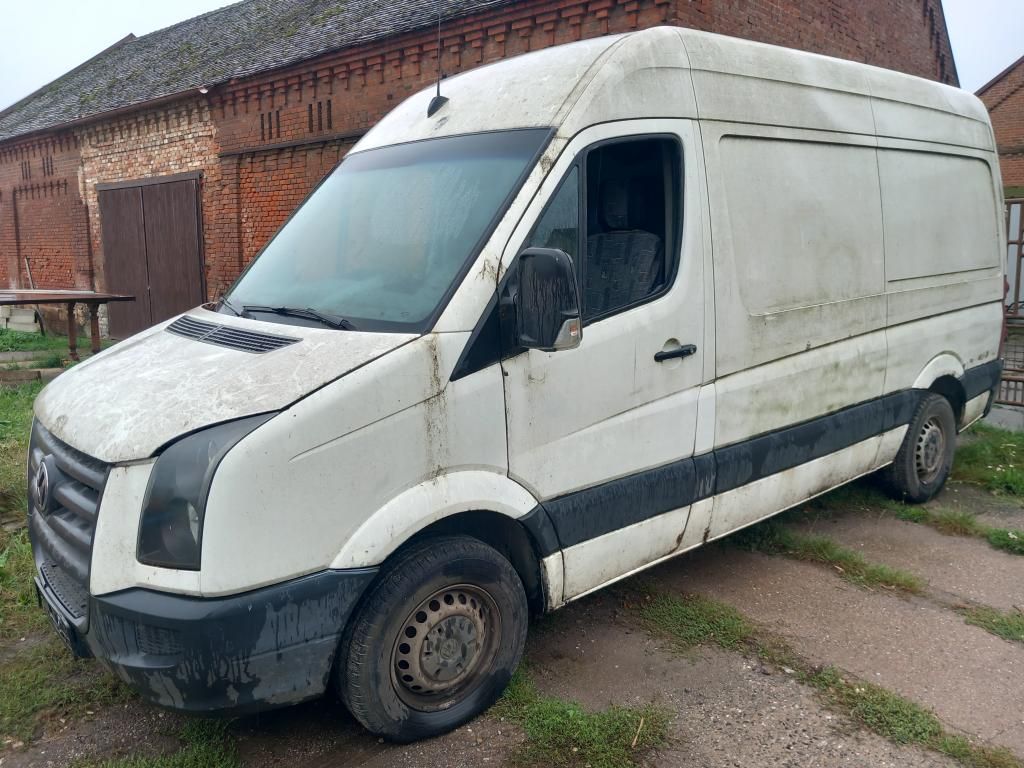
x=131 y=399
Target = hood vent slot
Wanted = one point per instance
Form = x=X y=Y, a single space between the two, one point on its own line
x=226 y=336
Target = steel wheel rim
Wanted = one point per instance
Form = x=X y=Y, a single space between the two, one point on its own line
x=445 y=646
x=930 y=450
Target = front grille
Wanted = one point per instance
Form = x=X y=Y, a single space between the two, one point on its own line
x=226 y=336
x=63 y=528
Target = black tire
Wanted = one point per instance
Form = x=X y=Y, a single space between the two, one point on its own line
x=926 y=455
x=466 y=609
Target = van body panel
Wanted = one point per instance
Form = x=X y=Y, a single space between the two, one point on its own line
x=465 y=490
x=418 y=428
x=970 y=335
x=769 y=495
x=131 y=399
x=799 y=387
x=528 y=91
x=550 y=417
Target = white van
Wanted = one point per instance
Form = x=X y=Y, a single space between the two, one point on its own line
x=613 y=300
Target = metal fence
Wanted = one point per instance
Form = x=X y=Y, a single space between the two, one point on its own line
x=1011 y=390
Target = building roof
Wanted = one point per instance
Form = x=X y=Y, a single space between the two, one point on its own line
x=235 y=41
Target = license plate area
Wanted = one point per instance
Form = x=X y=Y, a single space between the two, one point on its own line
x=61 y=624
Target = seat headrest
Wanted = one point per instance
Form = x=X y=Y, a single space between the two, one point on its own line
x=615 y=204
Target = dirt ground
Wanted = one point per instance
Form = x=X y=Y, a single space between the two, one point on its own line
x=728 y=708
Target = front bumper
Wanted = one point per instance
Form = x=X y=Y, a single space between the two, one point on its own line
x=262 y=649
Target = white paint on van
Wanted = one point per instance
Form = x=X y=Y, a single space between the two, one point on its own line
x=840 y=239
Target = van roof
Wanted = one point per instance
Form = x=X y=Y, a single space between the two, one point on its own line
x=677 y=72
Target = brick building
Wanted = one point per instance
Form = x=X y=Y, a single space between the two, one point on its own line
x=162 y=165
x=1004 y=97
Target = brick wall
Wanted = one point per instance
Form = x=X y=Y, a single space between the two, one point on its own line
x=159 y=142
x=42 y=216
x=263 y=142
x=1005 y=101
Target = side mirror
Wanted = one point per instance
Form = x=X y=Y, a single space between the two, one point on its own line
x=547 y=301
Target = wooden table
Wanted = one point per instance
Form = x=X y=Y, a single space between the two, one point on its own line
x=91 y=299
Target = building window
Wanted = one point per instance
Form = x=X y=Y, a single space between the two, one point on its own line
x=47 y=165
x=26 y=170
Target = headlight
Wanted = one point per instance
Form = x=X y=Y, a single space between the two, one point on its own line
x=171 y=529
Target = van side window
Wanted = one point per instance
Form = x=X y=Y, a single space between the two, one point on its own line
x=559 y=226
x=632 y=223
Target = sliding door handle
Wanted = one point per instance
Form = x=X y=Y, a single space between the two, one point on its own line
x=684 y=350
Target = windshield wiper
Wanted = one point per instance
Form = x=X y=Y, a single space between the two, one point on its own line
x=332 y=321
x=226 y=302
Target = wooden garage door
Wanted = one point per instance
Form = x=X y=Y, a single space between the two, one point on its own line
x=151 y=249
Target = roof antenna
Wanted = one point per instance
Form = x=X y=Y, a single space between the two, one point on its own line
x=438 y=101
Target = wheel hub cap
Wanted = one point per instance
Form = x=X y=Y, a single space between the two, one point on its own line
x=930 y=450
x=444 y=645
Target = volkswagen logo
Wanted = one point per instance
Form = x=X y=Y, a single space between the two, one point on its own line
x=41 y=487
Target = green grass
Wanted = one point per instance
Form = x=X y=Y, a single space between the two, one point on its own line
x=961 y=523
x=881 y=711
x=17 y=341
x=1007 y=540
x=19 y=613
x=993 y=459
x=46 y=681
x=561 y=734
x=1009 y=626
x=696 y=620
x=205 y=744
x=772 y=538
x=15 y=426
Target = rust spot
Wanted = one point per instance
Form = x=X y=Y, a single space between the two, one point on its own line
x=707 y=532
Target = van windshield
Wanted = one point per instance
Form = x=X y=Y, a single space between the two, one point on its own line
x=382 y=242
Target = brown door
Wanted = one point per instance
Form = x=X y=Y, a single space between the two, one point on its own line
x=151 y=248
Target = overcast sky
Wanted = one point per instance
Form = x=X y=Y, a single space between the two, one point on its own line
x=52 y=36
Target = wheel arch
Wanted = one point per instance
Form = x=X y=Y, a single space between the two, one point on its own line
x=942 y=375
x=484 y=505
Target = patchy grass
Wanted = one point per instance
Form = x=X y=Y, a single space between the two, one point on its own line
x=561 y=734
x=1009 y=626
x=1007 y=540
x=881 y=711
x=205 y=744
x=696 y=620
x=15 y=426
x=52 y=360
x=993 y=458
x=46 y=681
x=19 y=613
x=961 y=523
x=885 y=713
x=18 y=341
x=772 y=538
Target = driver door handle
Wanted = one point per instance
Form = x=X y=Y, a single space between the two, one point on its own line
x=684 y=350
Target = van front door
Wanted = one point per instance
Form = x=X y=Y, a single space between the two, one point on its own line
x=604 y=434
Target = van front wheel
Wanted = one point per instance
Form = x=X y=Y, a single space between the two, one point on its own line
x=926 y=455
x=436 y=640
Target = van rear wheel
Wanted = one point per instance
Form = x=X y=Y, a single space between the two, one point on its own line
x=926 y=455
x=436 y=640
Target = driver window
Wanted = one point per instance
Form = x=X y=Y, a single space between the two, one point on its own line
x=559 y=226
x=632 y=223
